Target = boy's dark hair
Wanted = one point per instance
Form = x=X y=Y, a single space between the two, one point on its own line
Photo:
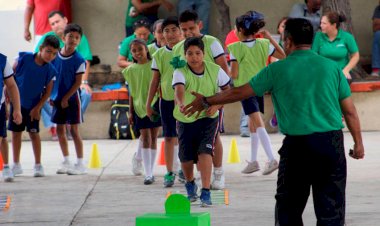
x=73 y=28
x=140 y=42
x=300 y=30
x=194 y=41
x=52 y=13
x=52 y=41
x=141 y=23
x=168 y=21
x=188 y=15
x=250 y=23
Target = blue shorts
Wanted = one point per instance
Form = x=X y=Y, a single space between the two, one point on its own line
x=168 y=121
x=70 y=115
x=196 y=138
x=252 y=105
x=31 y=126
x=146 y=123
x=3 y=121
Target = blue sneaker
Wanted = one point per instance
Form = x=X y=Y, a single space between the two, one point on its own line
x=191 y=188
x=205 y=198
x=181 y=177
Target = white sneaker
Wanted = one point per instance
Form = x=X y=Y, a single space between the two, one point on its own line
x=63 y=168
x=16 y=169
x=251 y=167
x=39 y=171
x=78 y=169
x=270 y=167
x=218 y=180
x=7 y=174
x=136 y=166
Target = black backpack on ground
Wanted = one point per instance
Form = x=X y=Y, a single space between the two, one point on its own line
x=119 y=127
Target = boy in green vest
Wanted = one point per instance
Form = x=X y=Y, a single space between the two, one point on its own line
x=197 y=134
x=213 y=52
x=162 y=76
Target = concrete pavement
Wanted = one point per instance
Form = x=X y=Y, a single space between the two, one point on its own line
x=112 y=195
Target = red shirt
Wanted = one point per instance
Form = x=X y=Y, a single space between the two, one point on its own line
x=42 y=8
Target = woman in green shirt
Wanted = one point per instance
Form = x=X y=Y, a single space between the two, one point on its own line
x=336 y=44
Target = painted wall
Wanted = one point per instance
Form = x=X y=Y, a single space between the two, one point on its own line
x=103 y=20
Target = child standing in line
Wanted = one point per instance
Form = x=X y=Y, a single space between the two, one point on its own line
x=34 y=77
x=138 y=76
x=197 y=133
x=66 y=98
x=163 y=76
x=247 y=58
x=6 y=78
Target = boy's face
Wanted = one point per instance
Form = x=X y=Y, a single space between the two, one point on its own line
x=48 y=53
x=172 y=34
x=191 y=28
x=194 y=56
x=58 y=23
x=72 y=39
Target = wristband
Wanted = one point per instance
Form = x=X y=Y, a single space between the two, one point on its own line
x=84 y=82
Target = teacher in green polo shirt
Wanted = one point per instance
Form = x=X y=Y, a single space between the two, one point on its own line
x=336 y=44
x=309 y=93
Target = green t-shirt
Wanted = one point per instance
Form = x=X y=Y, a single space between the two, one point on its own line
x=138 y=77
x=306 y=91
x=178 y=49
x=338 y=50
x=125 y=48
x=250 y=59
x=207 y=85
x=130 y=20
x=162 y=58
x=83 y=47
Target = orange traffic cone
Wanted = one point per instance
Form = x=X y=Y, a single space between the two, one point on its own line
x=161 y=159
x=1 y=162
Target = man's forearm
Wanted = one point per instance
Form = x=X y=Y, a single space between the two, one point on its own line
x=231 y=95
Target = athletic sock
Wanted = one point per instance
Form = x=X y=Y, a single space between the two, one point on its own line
x=265 y=141
x=254 y=146
x=146 y=160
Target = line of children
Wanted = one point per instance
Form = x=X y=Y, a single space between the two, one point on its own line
x=34 y=77
x=138 y=76
x=191 y=27
x=248 y=57
x=6 y=78
x=162 y=77
x=197 y=134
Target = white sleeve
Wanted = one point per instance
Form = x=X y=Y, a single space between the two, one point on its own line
x=232 y=57
x=8 y=71
x=154 y=65
x=216 y=49
x=271 y=49
x=81 y=68
x=223 y=78
x=178 y=78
